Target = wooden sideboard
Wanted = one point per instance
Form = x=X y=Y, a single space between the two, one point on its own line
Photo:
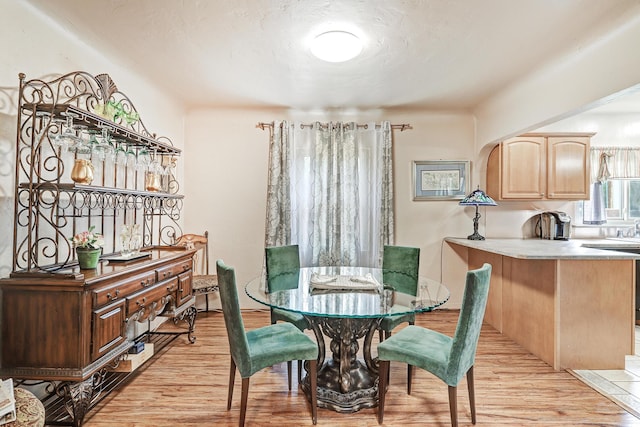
x=71 y=326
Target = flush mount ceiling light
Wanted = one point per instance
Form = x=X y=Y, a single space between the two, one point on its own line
x=336 y=46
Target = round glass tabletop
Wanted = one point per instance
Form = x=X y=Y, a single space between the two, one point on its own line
x=356 y=292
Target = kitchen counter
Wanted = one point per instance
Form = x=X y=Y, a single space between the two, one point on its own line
x=554 y=249
x=570 y=303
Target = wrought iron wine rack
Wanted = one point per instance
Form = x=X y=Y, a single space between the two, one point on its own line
x=50 y=207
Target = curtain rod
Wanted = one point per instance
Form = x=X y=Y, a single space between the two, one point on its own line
x=402 y=127
x=614 y=147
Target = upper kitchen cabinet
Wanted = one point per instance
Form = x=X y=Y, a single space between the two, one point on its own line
x=540 y=166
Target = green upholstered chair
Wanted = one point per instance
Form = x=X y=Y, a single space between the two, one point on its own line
x=252 y=351
x=448 y=358
x=400 y=265
x=283 y=270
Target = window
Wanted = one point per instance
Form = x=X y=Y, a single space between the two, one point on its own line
x=634 y=198
x=621 y=200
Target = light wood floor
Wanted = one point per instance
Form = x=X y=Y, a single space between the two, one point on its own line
x=187 y=386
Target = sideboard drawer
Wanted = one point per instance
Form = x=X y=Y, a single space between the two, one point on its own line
x=173 y=269
x=123 y=288
x=147 y=297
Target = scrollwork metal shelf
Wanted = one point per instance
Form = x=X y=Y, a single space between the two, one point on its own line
x=50 y=208
x=95 y=122
x=89 y=188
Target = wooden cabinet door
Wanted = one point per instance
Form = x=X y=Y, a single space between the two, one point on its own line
x=568 y=169
x=523 y=165
x=109 y=329
x=184 y=288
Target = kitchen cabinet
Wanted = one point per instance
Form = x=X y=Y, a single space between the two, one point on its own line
x=540 y=166
x=67 y=326
x=571 y=306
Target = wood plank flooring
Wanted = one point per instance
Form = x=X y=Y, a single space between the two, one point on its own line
x=186 y=385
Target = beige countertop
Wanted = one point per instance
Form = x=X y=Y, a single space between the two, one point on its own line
x=554 y=249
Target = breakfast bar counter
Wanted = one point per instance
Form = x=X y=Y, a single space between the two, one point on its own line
x=553 y=249
x=571 y=303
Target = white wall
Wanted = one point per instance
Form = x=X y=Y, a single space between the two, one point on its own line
x=611 y=129
x=39 y=47
x=226 y=182
x=586 y=76
x=34 y=45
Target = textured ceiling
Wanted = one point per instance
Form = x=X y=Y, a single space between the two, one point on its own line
x=436 y=54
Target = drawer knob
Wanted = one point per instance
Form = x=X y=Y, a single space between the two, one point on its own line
x=115 y=296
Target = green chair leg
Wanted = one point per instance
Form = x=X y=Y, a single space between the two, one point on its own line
x=383 y=377
x=243 y=401
x=232 y=378
x=453 y=405
x=472 y=394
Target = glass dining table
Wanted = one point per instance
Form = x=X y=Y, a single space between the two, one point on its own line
x=346 y=304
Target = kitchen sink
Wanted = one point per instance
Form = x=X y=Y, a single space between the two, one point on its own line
x=623 y=244
x=626 y=239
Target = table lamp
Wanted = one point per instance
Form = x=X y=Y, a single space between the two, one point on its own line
x=477 y=198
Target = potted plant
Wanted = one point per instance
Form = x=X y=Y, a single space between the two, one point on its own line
x=88 y=248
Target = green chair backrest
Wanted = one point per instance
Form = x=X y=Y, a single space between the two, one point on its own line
x=400 y=266
x=283 y=267
x=238 y=343
x=465 y=340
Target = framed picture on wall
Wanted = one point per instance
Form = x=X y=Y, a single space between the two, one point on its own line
x=440 y=179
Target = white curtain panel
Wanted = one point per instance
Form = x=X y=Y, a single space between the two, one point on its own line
x=331 y=191
x=614 y=163
x=278 y=219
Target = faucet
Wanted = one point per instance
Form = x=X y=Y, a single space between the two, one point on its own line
x=636 y=227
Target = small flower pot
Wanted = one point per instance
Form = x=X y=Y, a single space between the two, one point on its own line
x=88 y=257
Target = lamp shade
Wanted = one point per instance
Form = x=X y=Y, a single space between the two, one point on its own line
x=478 y=198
